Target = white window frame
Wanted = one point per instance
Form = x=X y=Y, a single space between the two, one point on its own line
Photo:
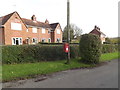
x=43 y=30
x=49 y=31
x=58 y=31
x=27 y=30
x=17 y=38
x=34 y=30
x=43 y=40
x=36 y=40
x=58 y=40
x=16 y=26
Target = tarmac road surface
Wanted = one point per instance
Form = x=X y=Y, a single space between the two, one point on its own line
x=105 y=76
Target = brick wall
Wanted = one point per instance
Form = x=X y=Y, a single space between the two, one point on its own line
x=56 y=35
x=1 y=36
x=25 y=34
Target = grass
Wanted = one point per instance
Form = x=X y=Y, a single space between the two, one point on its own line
x=109 y=56
x=28 y=70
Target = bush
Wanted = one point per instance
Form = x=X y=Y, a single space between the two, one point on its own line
x=108 y=48
x=35 y=53
x=90 y=48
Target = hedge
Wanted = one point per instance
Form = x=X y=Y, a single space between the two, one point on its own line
x=108 y=48
x=37 y=53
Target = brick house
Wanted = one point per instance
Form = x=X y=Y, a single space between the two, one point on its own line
x=15 y=30
x=97 y=31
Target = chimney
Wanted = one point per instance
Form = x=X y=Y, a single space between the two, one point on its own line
x=46 y=21
x=95 y=27
x=33 y=18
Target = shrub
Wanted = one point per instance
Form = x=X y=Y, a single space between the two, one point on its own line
x=90 y=48
x=35 y=53
x=108 y=48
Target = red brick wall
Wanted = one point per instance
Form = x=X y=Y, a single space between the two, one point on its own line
x=13 y=33
x=45 y=35
x=24 y=34
x=58 y=35
x=1 y=36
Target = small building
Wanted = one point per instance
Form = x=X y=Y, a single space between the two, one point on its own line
x=97 y=31
x=15 y=30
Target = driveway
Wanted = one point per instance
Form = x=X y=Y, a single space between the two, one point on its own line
x=105 y=76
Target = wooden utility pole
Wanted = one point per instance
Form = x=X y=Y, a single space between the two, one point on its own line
x=68 y=29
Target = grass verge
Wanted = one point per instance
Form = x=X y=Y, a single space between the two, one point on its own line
x=27 y=70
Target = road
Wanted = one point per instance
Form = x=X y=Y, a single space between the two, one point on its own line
x=105 y=76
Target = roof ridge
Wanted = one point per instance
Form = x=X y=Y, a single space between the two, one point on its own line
x=36 y=21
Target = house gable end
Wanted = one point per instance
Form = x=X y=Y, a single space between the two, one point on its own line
x=17 y=16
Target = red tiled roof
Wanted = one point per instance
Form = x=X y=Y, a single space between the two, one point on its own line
x=29 y=22
x=96 y=29
x=54 y=25
x=35 y=23
x=4 y=19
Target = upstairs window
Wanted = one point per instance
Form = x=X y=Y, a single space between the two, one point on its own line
x=34 y=30
x=43 y=30
x=58 y=31
x=16 y=26
x=49 y=31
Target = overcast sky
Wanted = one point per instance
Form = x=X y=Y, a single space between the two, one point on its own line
x=83 y=13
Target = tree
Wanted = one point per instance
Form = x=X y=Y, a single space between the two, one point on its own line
x=75 y=32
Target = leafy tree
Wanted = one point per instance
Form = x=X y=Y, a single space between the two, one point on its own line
x=75 y=32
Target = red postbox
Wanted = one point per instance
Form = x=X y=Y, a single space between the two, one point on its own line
x=66 y=47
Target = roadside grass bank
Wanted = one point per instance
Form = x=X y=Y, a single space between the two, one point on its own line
x=109 y=56
x=29 y=70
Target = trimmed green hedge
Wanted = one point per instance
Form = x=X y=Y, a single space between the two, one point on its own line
x=108 y=48
x=37 y=53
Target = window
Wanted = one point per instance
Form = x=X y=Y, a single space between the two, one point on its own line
x=27 y=30
x=35 y=40
x=43 y=40
x=34 y=30
x=43 y=30
x=58 y=40
x=16 y=41
x=58 y=31
x=48 y=31
x=16 y=26
x=49 y=40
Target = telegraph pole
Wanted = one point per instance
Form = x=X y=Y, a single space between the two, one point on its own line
x=68 y=29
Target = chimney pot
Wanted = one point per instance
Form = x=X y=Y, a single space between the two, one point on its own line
x=33 y=18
